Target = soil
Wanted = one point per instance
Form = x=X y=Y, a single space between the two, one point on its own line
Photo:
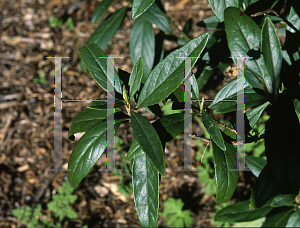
x=26 y=115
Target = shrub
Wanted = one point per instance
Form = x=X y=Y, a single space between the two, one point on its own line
x=271 y=81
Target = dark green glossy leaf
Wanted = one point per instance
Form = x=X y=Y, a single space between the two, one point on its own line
x=228 y=90
x=139 y=7
x=142 y=44
x=195 y=93
x=226 y=179
x=168 y=127
x=244 y=38
x=88 y=151
x=254 y=114
x=294 y=18
x=85 y=120
x=255 y=164
x=272 y=56
x=294 y=220
x=251 y=99
x=279 y=219
x=107 y=29
x=169 y=73
x=264 y=188
x=218 y=6
x=90 y=54
x=283 y=200
x=136 y=76
x=155 y=16
x=145 y=182
x=103 y=105
x=149 y=141
x=100 y=10
x=240 y=212
x=213 y=130
x=134 y=150
x=204 y=77
x=210 y=23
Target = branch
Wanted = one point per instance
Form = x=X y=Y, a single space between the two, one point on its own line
x=278 y=15
x=226 y=127
x=235 y=143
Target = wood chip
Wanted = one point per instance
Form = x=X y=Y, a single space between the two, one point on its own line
x=23 y=168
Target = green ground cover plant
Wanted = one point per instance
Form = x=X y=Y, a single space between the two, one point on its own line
x=271 y=82
x=59 y=208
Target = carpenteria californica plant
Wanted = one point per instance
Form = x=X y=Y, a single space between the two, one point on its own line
x=271 y=80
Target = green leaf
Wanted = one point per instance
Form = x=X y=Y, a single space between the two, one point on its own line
x=283 y=200
x=226 y=179
x=253 y=223
x=103 y=105
x=100 y=10
x=145 y=182
x=155 y=16
x=88 y=151
x=204 y=77
x=210 y=23
x=149 y=141
x=136 y=76
x=195 y=93
x=85 y=120
x=244 y=38
x=278 y=219
x=134 y=150
x=213 y=130
x=255 y=164
x=218 y=6
x=294 y=220
x=169 y=73
x=254 y=114
x=175 y=215
x=264 y=188
x=240 y=212
x=251 y=99
x=272 y=55
x=90 y=54
x=294 y=19
x=142 y=44
x=228 y=90
x=140 y=6
x=168 y=127
x=107 y=29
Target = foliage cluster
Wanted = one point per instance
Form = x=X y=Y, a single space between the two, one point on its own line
x=271 y=82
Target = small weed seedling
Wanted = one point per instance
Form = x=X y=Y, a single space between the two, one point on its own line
x=175 y=216
x=59 y=207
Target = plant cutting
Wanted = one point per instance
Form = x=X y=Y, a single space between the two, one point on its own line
x=245 y=32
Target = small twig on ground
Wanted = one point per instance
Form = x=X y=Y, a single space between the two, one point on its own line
x=44 y=187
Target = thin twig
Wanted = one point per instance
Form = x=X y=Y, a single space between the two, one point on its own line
x=208 y=140
x=226 y=127
x=204 y=152
x=44 y=187
x=278 y=15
